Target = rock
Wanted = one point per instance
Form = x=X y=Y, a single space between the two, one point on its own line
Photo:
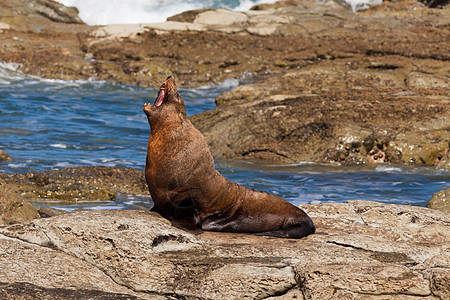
x=47 y=212
x=188 y=16
x=220 y=17
x=443 y=159
x=78 y=184
x=13 y=208
x=360 y=250
x=32 y=14
x=4 y=26
x=328 y=113
x=56 y=11
x=440 y=200
x=4 y=156
x=55 y=274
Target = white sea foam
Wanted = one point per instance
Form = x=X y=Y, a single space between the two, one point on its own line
x=62 y=146
x=100 y=12
x=315 y=202
x=107 y=207
x=63 y=165
x=388 y=168
x=10 y=71
x=11 y=66
x=359 y=5
x=228 y=84
x=16 y=166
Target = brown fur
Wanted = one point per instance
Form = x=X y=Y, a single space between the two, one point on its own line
x=189 y=191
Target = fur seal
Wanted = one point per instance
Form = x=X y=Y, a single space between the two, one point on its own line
x=188 y=190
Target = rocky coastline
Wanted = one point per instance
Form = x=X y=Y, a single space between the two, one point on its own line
x=324 y=85
x=344 y=88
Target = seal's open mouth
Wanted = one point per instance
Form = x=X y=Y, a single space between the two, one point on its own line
x=161 y=94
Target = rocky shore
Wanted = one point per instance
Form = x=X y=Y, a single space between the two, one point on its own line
x=324 y=85
x=361 y=250
x=329 y=86
x=67 y=185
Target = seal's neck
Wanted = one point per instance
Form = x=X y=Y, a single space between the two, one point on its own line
x=167 y=122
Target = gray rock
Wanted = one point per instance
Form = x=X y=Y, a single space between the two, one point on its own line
x=362 y=250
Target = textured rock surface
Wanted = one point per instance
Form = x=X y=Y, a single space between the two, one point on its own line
x=312 y=115
x=4 y=156
x=440 y=200
x=40 y=11
x=78 y=184
x=362 y=250
x=13 y=208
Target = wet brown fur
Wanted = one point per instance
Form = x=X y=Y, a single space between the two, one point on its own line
x=189 y=191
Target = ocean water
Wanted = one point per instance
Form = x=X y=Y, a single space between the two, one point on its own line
x=51 y=124
x=101 y=12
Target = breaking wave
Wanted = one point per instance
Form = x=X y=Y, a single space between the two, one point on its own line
x=95 y=12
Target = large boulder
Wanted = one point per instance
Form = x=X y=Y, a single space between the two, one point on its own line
x=440 y=200
x=361 y=250
x=13 y=208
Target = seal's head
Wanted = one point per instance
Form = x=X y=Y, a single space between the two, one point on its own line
x=168 y=103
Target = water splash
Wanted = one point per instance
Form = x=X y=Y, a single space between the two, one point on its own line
x=95 y=12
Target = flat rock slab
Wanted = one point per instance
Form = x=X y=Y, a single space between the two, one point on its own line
x=362 y=250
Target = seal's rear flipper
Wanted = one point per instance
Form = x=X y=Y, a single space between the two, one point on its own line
x=184 y=216
x=294 y=232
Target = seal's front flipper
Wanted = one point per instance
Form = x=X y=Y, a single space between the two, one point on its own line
x=186 y=226
x=184 y=216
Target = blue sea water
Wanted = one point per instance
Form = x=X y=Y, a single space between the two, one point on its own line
x=49 y=124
